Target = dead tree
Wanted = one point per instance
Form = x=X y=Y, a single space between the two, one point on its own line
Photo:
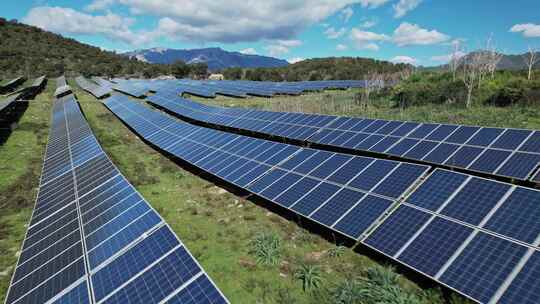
x=530 y=59
x=493 y=57
x=455 y=59
x=469 y=78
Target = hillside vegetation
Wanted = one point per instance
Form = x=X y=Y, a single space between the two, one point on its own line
x=333 y=68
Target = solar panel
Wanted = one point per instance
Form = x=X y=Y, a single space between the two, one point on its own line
x=483 y=265
x=444 y=144
x=90 y=225
x=306 y=181
x=450 y=221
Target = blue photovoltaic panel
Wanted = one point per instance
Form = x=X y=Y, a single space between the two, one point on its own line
x=362 y=216
x=280 y=185
x=520 y=165
x=525 y=288
x=200 y=291
x=485 y=137
x=518 y=216
x=400 y=180
x=442 y=132
x=330 y=212
x=532 y=144
x=441 y=153
x=434 y=245
x=397 y=229
x=373 y=174
x=423 y=130
x=464 y=156
x=462 y=135
x=483 y=266
x=354 y=166
x=420 y=150
x=315 y=198
x=436 y=189
x=294 y=193
x=490 y=160
x=511 y=139
x=475 y=200
x=115 y=218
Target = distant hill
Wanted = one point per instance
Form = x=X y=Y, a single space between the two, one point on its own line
x=508 y=62
x=216 y=58
x=331 y=68
x=30 y=51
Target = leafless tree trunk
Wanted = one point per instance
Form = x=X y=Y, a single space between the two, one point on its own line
x=493 y=57
x=455 y=59
x=469 y=77
x=530 y=59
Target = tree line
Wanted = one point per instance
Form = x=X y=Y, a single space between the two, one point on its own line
x=332 y=68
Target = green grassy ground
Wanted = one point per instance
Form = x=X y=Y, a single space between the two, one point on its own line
x=341 y=103
x=215 y=225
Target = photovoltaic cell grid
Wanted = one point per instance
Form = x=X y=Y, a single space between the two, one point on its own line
x=343 y=192
x=92 y=238
x=477 y=236
x=97 y=90
x=505 y=152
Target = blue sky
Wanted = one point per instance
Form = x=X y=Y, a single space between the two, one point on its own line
x=422 y=32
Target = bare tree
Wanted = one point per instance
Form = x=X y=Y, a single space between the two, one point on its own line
x=493 y=57
x=530 y=59
x=455 y=58
x=469 y=77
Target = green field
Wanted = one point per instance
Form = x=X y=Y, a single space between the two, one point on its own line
x=218 y=227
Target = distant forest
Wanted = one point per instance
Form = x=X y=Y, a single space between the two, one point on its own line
x=333 y=68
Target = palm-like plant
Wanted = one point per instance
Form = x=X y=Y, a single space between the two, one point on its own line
x=310 y=275
x=267 y=248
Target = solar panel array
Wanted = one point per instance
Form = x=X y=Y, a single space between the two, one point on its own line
x=309 y=182
x=239 y=89
x=92 y=88
x=93 y=238
x=477 y=236
x=62 y=88
x=513 y=153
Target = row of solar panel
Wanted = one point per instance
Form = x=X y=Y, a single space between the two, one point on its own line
x=477 y=236
x=278 y=171
x=239 y=89
x=474 y=235
x=97 y=90
x=505 y=152
x=92 y=237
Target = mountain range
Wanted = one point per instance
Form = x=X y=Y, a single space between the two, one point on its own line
x=216 y=58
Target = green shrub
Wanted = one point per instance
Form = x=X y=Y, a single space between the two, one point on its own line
x=266 y=247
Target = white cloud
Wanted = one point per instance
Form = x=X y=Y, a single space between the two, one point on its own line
x=295 y=59
x=404 y=59
x=341 y=47
x=249 y=51
x=368 y=23
x=528 y=30
x=347 y=13
x=404 y=6
x=69 y=21
x=412 y=34
x=373 y=3
x=238 y=20
x=281 y=47
x=446 y=58
x=332 y=33
x=99 y=5
x=365 y=40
